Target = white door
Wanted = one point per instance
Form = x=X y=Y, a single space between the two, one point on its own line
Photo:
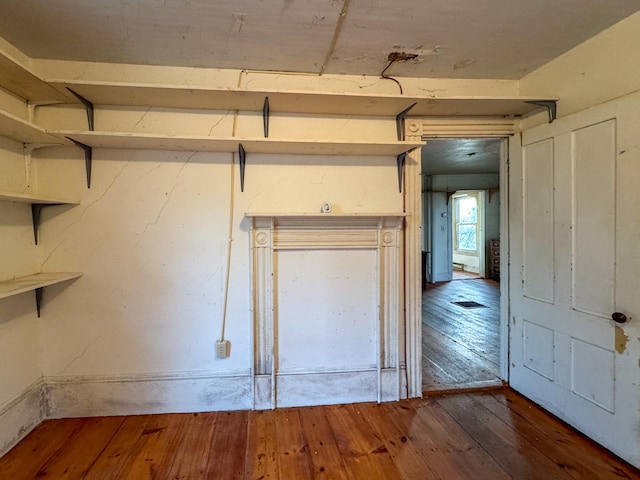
x=574 y=220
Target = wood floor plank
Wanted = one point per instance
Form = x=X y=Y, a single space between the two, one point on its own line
x=82 y=449
x=513 y=452
x=364 y=453
x=189 y=461
x=578 y=455
x=411 y=460
x=116 y=454
x=293 y=453
x=158 y=443
x=468 y=455
x=227 y=454
x=460 y=346
x=261 y=461
x=43 y=443
x=324 y=454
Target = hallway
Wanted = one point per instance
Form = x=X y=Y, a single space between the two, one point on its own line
x=460 y=346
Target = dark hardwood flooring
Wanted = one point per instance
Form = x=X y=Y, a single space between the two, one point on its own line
x=484 y=435
x=460 y=346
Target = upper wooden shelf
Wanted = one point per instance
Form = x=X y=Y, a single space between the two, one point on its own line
x=19 y=285
x=23 y=131
x=17 y=78
x=169 y=96
x=26 y=198
x=230 y=144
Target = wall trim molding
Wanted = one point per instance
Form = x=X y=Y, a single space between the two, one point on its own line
x=87 y=396
x=20 y=415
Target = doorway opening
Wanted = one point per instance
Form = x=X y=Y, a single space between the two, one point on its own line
x=461 y=329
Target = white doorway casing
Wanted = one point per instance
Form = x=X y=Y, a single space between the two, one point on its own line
x=345 y=342
x=427 y=128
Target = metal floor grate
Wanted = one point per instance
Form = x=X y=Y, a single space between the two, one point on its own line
x=469 y=304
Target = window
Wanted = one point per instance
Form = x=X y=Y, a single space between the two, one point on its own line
x=465 y=208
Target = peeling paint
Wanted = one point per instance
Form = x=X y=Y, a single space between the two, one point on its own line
x=621 y=340
x=467 y=62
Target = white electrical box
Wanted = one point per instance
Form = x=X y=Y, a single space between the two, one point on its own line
x=223 y=348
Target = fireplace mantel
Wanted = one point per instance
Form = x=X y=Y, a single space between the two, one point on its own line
x=350 y=242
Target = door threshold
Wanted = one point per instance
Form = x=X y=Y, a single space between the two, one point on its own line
x=467 y=387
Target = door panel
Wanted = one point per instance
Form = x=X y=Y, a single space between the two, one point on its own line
x=538 y=220
x=574 y=260
x=594 y=166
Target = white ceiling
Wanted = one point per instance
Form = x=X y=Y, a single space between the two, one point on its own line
x=453 y=38
x=461 y=156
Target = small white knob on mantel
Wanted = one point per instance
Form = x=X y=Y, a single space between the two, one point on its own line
x=326 y=207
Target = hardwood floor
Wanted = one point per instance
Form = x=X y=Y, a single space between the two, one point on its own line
x=486 y=435
x=460 y=346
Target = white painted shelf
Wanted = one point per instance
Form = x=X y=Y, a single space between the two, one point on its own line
x=25 y=198
x=230 y=144
x=23 y=131
x=170 y=96
x=19 y=285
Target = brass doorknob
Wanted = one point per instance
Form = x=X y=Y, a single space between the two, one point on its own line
x=618 y=317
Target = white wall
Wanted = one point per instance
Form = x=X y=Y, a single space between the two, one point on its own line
x=601 y=69
x=150 y=237
x=20 y=347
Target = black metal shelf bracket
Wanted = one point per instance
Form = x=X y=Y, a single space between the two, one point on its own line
x=87 y=105
x=265 y=117
x=36 y=209
x=400 y=160
x=88 y=158
x=400 y=121
x=242 y=155
x=38 y=292
x=550 y=105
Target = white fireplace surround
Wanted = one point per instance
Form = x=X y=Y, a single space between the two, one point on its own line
x=372 y=236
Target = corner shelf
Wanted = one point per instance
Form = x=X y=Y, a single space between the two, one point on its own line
x=37 y=204
x=230 y=144
x=24 y=131
x=36 y=283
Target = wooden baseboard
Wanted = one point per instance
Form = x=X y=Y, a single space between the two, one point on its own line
x=21 y=415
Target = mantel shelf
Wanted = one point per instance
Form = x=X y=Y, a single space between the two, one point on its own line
x=25 y=198
x=321 y=221
x=294 y=101
x=36 y=283
x=324 y=216
x=230 y=144
x=24 y=131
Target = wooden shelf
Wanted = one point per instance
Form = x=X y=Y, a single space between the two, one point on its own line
x=35 y=283
x=168 y=96
x=230 y=144
x=23 y=131
x=16 y=78
x=25 y=198
x=19 y=285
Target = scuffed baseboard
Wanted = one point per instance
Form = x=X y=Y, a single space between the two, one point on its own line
x=21 y=415
x=88 y=396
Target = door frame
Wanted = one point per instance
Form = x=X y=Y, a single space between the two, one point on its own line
x=425 y=128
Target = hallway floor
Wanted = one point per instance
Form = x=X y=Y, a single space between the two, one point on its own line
x=460 y=346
